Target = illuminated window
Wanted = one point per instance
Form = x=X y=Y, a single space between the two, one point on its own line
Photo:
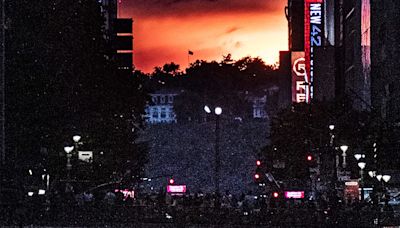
x=155 y=113
x=163 y=113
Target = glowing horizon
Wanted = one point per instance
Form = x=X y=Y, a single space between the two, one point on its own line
x=164 y=36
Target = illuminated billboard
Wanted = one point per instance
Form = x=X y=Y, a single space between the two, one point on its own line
x=176 y=189
x=313 y=37
x=294 y=194
x=299 y=77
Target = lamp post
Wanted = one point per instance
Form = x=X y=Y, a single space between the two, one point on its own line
x=217 y=112
x=361 y=164
x=344 y=148
x=383 y=179
x=68 y=150
x=76 y=139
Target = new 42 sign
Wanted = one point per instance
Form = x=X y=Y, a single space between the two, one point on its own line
x=316 y=24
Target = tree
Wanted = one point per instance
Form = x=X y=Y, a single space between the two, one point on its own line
x=303 y=129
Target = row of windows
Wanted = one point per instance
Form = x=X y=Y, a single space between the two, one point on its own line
x=163 y=115
x=162 y=99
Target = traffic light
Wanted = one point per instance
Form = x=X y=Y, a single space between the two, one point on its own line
x=259 y=172
x=311 y=161
x=258 y=162
x=171 y=181
x=275 y=194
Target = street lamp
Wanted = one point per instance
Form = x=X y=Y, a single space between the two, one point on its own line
x=383 y=179
x=372 y=173
x=358 y=156
x=332 y=135
x=68 y=150
x=207 y=109
x=76 y=138
x=386 y=178
x=362 y=165
x=344 y=148
x=218 y=112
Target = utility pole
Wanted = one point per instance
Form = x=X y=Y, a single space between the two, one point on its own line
x=217 y=156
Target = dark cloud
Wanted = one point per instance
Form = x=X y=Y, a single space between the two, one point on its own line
x=174 y=8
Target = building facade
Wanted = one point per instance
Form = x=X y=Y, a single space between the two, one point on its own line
x=353 y=52
x=311 y=50
x=2 y=80
x=119 y=34
x=161 y=108
x=337 y=44
x=385 y=54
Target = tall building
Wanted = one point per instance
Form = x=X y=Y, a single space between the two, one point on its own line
x=336 y=51
x=385 y=54
x=311 y=47
x=124 y=44
x=109 y=10
x=353 y=52
x=119 y=34
x=295 y=16
x=2 y=79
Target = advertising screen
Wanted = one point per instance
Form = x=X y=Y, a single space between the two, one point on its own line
x=313 y=37
x=176 y=188
x=294 y=194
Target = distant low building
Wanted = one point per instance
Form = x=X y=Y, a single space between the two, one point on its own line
x=161 y=108
x=259 y=107
x=263 y=102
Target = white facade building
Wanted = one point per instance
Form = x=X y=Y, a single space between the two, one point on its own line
x=161 y=108
x=259 y=107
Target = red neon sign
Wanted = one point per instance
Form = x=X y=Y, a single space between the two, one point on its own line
x=299 y=75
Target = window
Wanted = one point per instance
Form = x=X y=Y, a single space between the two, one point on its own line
x=163 y=113
x=170 y=99
x=162 y=101
x=155 y=113
x=154 y=99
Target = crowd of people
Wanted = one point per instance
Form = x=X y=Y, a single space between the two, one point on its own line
x=124 y=207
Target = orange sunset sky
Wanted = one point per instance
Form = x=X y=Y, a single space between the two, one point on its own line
x=164 y=30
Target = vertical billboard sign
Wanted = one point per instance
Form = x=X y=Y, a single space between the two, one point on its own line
x=313 y=37
x=299 y=77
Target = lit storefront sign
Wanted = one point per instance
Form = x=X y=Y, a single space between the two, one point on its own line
x=127 y=193
x=299 y=78
x=176 y=189
x=313 y=37
x=294 y=195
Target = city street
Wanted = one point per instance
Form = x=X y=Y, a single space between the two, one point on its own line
x=199 y=113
